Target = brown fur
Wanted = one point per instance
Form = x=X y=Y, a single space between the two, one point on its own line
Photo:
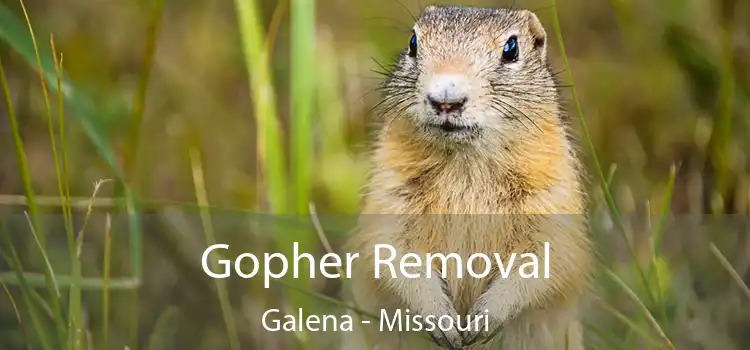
x=519 y=167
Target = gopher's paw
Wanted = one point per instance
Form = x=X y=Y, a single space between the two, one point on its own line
x=482 y=332
x=437 y=307
x=450 y=338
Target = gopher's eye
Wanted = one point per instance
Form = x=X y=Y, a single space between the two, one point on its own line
x=510 y=50
x=413 y=46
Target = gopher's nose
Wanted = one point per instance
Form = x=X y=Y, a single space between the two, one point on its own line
x=447 y=93
x=446 y=106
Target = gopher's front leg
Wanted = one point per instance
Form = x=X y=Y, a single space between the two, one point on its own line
x=430 y=297
x=503 y=300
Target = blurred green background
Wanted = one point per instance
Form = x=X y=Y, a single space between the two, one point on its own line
x=175 y=102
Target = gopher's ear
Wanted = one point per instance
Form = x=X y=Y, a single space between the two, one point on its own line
x=537 y=32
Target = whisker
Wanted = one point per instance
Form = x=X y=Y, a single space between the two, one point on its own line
x=413 y=17
x=387 y=69
x=398 y=113
x=391 y=74
x=555 y=86
x=392 y=102
x=520 y=96
x=506 y=114
x=554 y=74
x=499 y=101
x=404 y=26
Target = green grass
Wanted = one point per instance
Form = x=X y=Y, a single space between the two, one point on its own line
x=608 y=195
x=51 y=73
x=270 y=149
x=9 y=253
x=270 y=152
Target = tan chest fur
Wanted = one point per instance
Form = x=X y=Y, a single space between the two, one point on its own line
x=472 y=202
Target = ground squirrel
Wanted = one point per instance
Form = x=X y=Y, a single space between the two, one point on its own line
x=472 y=125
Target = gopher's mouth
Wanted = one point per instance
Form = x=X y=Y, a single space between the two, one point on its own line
x=452 y=127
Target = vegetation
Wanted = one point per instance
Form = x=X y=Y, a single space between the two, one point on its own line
x=133 y=134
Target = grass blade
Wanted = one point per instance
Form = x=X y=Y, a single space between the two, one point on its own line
x=51 y=282
x=657 y=239
x=302 y=94
x=327 y=245
x=632 y=325
x=269 y=133
x=273 y=27
x=106 y=280
x=77 y=332
x=17 y=312
x=23 y=169
x=130 y=180
x=303 y=38
x=45 y=94
x=642 y=306
x=202 y=198
x=62 y=176
x=163 y=334
x=139 y=102
x=720 y=141
x=665 y=209
x=732 y=272
x=612 y=341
